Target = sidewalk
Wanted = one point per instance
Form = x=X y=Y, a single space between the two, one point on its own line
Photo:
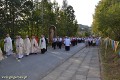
x=82 y=66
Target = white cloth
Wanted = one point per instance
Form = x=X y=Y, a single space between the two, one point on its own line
x=90 y=39
x=42 y=43
x=8 y=45
x=19 y=47
x=34 y=46
x=1 y=55
x=54 y=39
x=67 y=42
x=97 y=42
x=94 y=41
x=27 y=46
x=60 y=39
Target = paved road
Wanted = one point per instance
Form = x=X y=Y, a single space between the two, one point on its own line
x=84 y=65
x=35 y=67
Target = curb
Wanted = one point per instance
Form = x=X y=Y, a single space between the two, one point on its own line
x=100 y=60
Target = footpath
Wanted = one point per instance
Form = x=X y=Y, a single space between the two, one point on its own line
x=84 y=65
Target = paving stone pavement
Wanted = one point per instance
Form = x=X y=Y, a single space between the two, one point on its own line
x=82 y=66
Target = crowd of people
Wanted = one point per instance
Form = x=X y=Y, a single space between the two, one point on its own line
x=24 y=47
x=92 y=41
x=67 y=41
x=27 y=46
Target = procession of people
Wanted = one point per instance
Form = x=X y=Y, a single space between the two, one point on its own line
x=23 y=47
x=27 y=46
x=92 y=41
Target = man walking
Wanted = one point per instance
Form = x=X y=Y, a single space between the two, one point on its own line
x=34 y=46
x=60 y=42
x=8 y=45
x=54 y=43
x=27 y=46
x=67 y=43
x=42 y=44
x=19 y=47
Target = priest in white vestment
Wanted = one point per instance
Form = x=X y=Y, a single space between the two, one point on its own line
x=34 y=45
x=8 y=45
x=19 y=47
x=27 y=45
x=42 y=44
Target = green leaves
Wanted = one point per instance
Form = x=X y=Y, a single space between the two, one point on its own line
x=30 y=17
x=107 y=20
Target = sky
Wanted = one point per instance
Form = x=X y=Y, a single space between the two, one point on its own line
x=84 y=10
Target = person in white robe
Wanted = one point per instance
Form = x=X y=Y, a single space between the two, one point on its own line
x=27 y=45
x=97 y=42
x=60 y=42
x=94 y=42
x=19 y=47
x=34 y=45
x=42 y=44
x=1 y=55
x=8 y=45
x=67 y=43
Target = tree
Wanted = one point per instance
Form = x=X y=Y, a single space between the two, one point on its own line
x=34 y=17
x=14 y=13
x=106 y=19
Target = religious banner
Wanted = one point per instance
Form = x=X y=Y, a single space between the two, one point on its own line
x=119 y=53
x=113 y=44
x=109 y=41
x=106 y=42
x=116 y=45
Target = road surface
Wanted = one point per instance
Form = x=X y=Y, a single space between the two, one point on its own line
x=35 y=67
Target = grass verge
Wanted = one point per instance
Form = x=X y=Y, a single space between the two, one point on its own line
x=110 y=64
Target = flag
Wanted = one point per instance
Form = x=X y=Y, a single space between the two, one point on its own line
x=116 y=45
x=113 y=44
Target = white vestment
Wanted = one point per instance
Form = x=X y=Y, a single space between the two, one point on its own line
x=8 y=45
x=19 y=47
x=27 y=46
x=34 y=46
x=1 y=55
x=94 y=41
x=42 y=43
x=60 y=39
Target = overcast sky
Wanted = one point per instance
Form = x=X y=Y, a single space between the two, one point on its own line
x=84 y=10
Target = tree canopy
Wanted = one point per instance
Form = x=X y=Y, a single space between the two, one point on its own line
x=34 y=17
x=107 y=19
